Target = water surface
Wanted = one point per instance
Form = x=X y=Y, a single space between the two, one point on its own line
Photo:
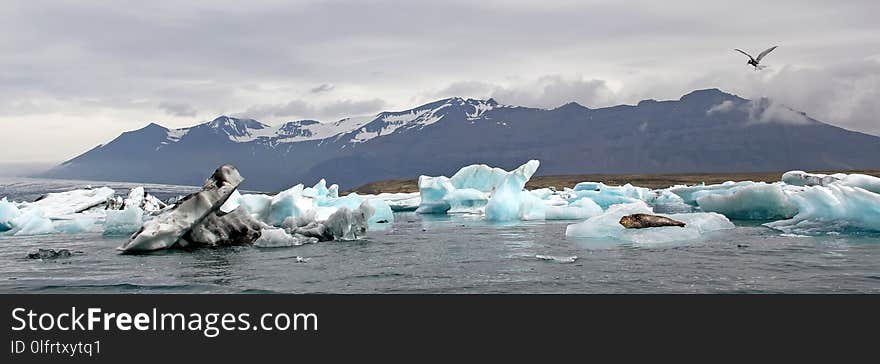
x=457 y=254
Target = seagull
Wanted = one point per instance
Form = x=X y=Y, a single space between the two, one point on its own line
x=754 y=61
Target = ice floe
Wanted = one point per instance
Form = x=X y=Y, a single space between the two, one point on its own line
x=123 y=222
x=832 y=208
x=800 y=203
x=8 y=212
x=167 y=229
x=61 y=204
x=278 y=237
x=607 y=226
x=757 y=201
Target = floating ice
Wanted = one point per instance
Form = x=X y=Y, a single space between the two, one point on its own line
x=8 y=212
x=289 y=203
x=256 y=205
x=76 y=225
x=165 y=230
x=401 y=201
x=344 y=224
x=277 y=237
x=66 y=203
x=510 y=202
x=569 y=259
x=689 y=194
x=311 y=209
x=320 y=190
x=32 y=221
x=466 y=200
x=232 y=203
x=432 y=193
x=351 y=201
x=801 y=178
x=382 y=213
x=579 y=210
x=832 y=208
x=479 y=177
x=225 y=229
x=757 y=201
x=467 y=191
x=607 y=226
x=123 y=222
x=863 y=181
x=605 y=195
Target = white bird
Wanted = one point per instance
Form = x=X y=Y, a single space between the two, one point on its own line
x=755 y=60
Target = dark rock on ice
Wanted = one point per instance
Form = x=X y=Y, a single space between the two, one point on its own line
x=219 y=229
x=166 y=229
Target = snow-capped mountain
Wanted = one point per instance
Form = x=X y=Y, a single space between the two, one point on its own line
x=704 y=131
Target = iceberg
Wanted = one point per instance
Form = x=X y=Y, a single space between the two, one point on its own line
x=137 y=197
x=382 y=213
x=478 y=177
x=510 y=202
x=757 y=201
x=257 y=205
x=605 y=195
x=344 y=224
x=801 y=178
x=289 y=203
x=432 y=193
x=351 y=201
x=466 y=200
x=399 y=202
x=579 y=210
x=225 y=229
x=60 y=204
x=123 y=222
x=467 y=191
x=863 y=181
x=166 y=229
x=313 y=210
x=607 y=226
x=689 y=194
x=832 y=208
x=278 y=237
x=8 y=212
x=32 y=221
x=76 y=225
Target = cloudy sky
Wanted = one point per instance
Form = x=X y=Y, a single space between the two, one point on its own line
x=74 y=74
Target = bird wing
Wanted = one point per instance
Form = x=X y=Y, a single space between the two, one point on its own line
x=764 y=53
x=741 y=51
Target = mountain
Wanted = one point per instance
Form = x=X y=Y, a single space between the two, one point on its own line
x=703 y=131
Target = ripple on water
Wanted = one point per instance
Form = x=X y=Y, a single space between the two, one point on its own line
x=447 y=257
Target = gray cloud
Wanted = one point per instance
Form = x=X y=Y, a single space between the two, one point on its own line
x=324 y=87
x=552 y=91
x=724 y=106
x=301 y=109
x=344 y=108
x=546 y=91
x=293 y=108
x=177 y=109
x=121 y=60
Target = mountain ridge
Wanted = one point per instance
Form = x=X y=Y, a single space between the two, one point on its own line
x=705 y=130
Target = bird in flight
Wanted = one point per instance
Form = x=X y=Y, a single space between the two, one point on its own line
x=754 y=61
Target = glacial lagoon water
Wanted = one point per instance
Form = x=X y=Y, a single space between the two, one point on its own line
x=445 y=254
